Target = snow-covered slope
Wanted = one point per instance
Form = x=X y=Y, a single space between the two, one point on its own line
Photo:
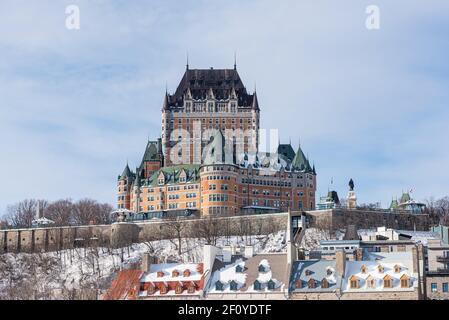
x=65 y=272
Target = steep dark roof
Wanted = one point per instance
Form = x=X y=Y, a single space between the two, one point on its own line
x=200 y=81
x=255 y=104
x=152 y=152
x=300 y=162
x=287 y=151
x=127 y=173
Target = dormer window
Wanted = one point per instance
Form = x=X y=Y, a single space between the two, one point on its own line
x=308 y=272
x=257 y=285
x=163 y=289
x=388 y=282
x=238 y=269
x=179 y=288
x=261 y=268
x=271 y=285
x=175 y=273
x=405 y=281
x=363 y=269
x=370 y=282
x=191 y=288
x=219 y=286
x=397 y=268
x=298 y=284
x=329 y=271
x=354 y=282
x=160 y=274
x=380 y=268
x=324 y=283
x=186 y=273
x=151 y=289
x=311 y=284
x=233 y=285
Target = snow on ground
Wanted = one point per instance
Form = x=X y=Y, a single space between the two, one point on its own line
x=96 y=267
x=313 y=236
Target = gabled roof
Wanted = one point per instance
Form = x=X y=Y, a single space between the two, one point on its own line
x=171 y=174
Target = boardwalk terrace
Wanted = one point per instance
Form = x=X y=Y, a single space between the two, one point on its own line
x=217 y=167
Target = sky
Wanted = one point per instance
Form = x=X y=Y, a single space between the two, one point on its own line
x=371 y=105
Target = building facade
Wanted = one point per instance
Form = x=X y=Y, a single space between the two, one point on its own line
x=437 y=275
x=207 y=160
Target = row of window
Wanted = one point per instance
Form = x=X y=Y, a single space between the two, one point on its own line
x=444 y=287
x=218 y=197
x=267 y=182
x=219 y=178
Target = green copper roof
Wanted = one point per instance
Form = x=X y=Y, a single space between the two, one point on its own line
x=405 y=197
x=126 y=172
x=172 y=174
x=300 y=161
x=394 y=204
x=151 y=152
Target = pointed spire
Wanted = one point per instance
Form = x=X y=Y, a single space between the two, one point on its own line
x=255 y=104
x=166 y=103
x=235 y=60
x=187 y=60
x=126 y=172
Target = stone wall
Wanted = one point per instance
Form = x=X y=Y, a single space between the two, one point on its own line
x=439 y=280
x=362 y=219
x=122 y=234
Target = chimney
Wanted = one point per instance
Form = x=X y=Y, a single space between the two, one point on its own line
x=415 y=259
x=340 y=262
x=146 y=262
x=358 y=254
x=249 y=252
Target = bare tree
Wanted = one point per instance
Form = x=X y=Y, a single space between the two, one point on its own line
x=21 y=215
x=209 y=229
x=61 y=212
x=174 y=230
x=89 y=211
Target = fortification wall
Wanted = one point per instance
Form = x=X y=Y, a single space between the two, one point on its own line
x=340 y=218
x=121 y=234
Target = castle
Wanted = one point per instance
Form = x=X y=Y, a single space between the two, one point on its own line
x=207 y=160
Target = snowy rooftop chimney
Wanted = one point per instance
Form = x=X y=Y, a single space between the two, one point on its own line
x=248 y=252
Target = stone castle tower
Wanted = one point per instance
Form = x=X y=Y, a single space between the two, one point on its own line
x=208 y=99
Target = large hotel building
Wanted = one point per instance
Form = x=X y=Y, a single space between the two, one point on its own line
x=207 y=160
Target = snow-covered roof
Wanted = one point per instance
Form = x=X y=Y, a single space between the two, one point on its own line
x=167 y=272
x=273 y=271
x=42 y=221
x=378 y=270
x=305 y=270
